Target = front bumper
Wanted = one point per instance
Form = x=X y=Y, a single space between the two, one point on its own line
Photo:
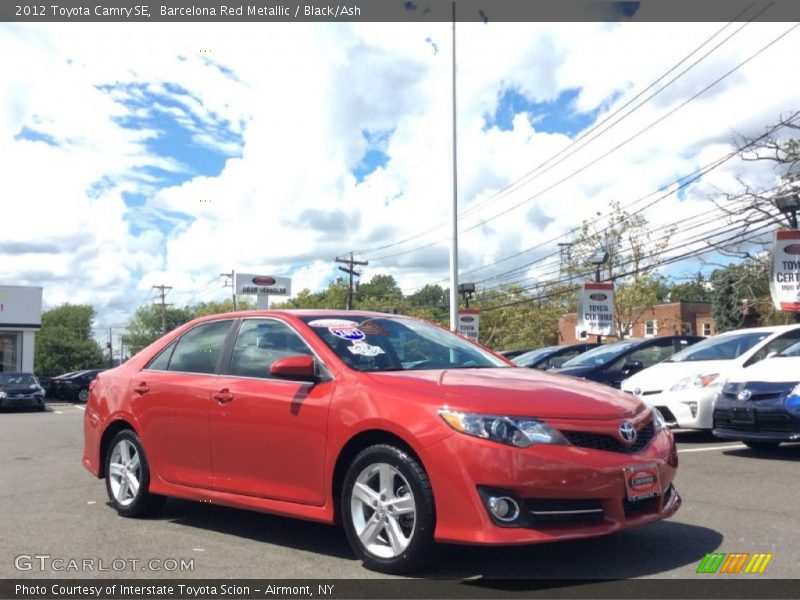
x=761 y=421
x=22 y=402
x=569 y=478
x=676 y=407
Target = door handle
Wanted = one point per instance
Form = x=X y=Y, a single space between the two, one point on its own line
x=142 y=388
x=223 y=396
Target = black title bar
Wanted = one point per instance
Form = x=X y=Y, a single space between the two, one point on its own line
x=397 y=11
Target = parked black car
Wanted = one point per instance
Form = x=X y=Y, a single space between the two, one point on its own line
x=53 y=386
x=21 y=390
x=76 y=387
x=551 y=357
x=615 y=362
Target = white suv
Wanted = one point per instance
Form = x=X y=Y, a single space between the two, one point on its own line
x=684 y=386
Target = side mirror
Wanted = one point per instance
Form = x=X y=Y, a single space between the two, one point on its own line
x=300 y=367
x=632 y=366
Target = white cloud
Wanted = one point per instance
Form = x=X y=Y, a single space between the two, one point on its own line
x=300 y=97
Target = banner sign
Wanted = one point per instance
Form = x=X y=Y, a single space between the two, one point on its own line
x=596 y=309
x=20 y=306
x=247 y=283
x=784 y=283
x=468 y=323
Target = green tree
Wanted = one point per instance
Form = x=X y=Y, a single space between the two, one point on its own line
x=379 y=287
x=65 y=342
x=698 y=289
x=740 y=287
x=146 y=325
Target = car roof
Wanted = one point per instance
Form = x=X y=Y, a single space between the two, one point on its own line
x=767 y=329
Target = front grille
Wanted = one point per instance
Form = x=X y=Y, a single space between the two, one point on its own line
x=755 y=397
x=762 y=422
x=638 y=507
x=558 y=511
x=598 y=441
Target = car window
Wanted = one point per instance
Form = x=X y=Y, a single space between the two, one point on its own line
x=602 y=355
x=161 y=362
x=13 y=379
x=775 y=346
x=648 y=356
x=197 y=350
x=261 y=342
x=724 y=347
x=793 y=350
x=528 y=358
x=557 y=361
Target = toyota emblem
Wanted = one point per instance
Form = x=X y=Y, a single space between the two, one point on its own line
x=744 y=395
x=627 y=432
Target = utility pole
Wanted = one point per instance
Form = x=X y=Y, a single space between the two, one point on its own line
x=350 y=262
x=163 y=289
x=232 y=284
x=110 y=350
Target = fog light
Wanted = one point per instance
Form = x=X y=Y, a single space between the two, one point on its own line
x=693 y=408
x=503 y=508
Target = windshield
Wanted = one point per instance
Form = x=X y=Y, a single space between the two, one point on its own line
x=601 y=355
x=14 y=379
x=398 y=344
x=723 y=347
x=524 y=360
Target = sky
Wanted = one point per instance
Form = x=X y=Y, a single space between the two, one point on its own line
x=151 y=154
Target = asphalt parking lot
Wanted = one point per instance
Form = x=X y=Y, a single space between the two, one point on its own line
x=735 y=500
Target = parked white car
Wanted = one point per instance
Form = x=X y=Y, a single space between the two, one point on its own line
x=684 y=386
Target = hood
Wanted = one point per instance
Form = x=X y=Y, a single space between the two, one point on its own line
x=662 y=376
x=778 y=369
x=515 y=392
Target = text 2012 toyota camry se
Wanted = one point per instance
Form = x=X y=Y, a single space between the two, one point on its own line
x=403 y=432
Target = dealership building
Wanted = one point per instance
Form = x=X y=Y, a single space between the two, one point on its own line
x=20 y=319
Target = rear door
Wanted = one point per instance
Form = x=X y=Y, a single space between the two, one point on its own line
x=268 y=435
x=171 y=398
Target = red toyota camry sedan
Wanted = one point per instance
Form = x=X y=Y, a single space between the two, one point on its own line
x=403 y=432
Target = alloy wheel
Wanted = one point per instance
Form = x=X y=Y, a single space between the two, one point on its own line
x=125 y=473
x=383 y=510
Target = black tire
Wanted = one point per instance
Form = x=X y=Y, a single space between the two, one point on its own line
x=411 y=487
x=41 y=407
x=762 y=446
x=130 y=503
x=82 y=396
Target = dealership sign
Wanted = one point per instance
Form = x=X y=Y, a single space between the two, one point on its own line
x=263 y=285
x=784 y=284
x=596 y=309
x=468 y=320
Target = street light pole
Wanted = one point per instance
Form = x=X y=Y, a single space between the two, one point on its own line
x=598 y=260
x=454 y=240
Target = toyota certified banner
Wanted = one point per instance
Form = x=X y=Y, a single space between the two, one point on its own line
x=784 y=284
x=469 y=323
x=596 y=309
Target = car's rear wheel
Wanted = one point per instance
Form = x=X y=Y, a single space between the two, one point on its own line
x=128 y=477
x=388 y=510
x=763 y=446
x=83 y=395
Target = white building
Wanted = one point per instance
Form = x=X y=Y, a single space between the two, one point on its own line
x=20 y=319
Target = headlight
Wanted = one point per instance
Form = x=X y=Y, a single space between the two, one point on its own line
x=2 y=394
x=695 y=381
x=658 y=420
x=514 y=431
x=792 y=400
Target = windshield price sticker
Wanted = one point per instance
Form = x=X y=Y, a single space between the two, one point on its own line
x=642 y=482
x=364 y=349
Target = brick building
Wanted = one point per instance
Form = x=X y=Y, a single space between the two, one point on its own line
x=692 y=318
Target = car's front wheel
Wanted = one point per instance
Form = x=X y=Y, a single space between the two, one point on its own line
x=83 y=395
x=388 y=510
x=128 y=477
